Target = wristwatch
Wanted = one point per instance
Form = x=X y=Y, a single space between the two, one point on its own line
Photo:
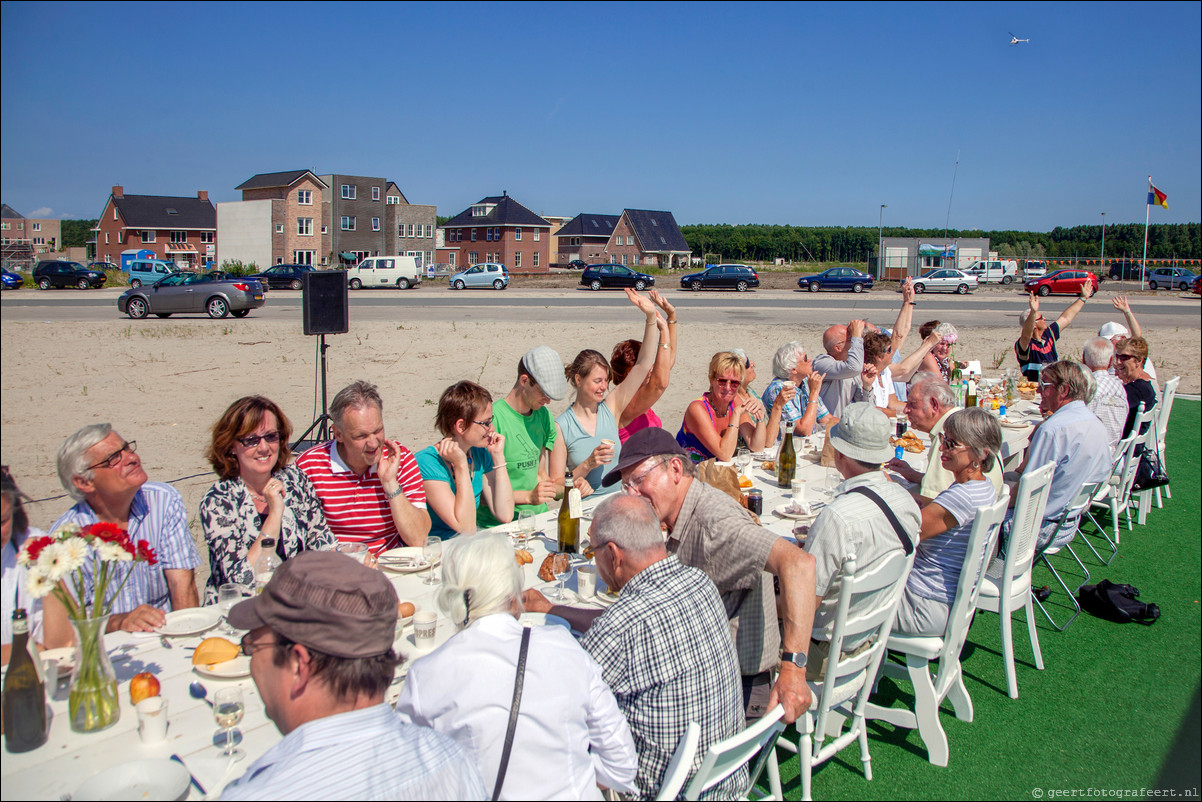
x=395 y=493
x=796 y=658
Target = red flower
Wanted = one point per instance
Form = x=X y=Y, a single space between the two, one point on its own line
x=107 y=532
x=34 y=546
x=145 y=553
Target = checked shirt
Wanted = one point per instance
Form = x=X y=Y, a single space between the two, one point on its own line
x=665 y=650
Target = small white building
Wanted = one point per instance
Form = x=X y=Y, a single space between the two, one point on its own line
x=913 y=256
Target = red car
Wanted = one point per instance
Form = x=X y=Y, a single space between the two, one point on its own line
x=1062 y=282
x=1198 y=285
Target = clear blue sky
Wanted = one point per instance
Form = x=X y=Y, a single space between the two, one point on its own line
x=809 y=114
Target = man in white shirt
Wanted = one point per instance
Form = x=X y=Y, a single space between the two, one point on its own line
x=1109 y=400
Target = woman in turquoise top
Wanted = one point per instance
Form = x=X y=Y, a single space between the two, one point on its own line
x=589 y=427
x=469 y=462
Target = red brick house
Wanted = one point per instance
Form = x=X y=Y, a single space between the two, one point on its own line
x=584 y=237
x=651 y=238
x=497 y=229
x=183 y=230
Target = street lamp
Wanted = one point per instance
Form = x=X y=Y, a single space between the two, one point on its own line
x=879 y=255
x=1102 y=261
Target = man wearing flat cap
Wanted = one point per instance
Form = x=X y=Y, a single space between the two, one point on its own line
x=320 y=647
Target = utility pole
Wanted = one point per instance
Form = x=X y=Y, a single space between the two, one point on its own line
x=880 y=275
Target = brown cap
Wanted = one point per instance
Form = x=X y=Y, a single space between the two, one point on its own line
x=643 y=444
x=328 y=602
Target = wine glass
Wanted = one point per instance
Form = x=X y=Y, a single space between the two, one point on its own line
x=526 y=522
x=432 y=551
x=228 y=595
x=742 y=459
x=228 y=707
x=561 y=566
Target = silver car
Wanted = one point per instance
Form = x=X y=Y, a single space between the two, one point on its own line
x=945 y=279
x=485 y=274
x=193 y=293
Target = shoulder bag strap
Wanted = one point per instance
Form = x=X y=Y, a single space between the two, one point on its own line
x=907 y=544
x=513 y=712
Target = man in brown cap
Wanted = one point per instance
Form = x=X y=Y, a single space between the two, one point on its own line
x=320 y=647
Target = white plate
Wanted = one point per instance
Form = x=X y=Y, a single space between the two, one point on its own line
x=783 y=512
x=192 y=621
x=1013 y=424
x=64 y=656
x=138 y=779
x=389 y=560
x=230 y=669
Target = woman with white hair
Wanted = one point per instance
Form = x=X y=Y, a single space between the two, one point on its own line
x=801 y=408
x=571 y=735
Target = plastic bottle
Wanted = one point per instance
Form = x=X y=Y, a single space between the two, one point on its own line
x=266 y=564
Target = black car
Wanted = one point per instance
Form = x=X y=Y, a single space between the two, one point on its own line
x=597 y=277
x=722 y=277
x=577 y=264
x=1124 y=269
x=54 y=273
x=284 y=277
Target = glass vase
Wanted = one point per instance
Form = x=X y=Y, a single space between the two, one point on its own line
x=93 y=702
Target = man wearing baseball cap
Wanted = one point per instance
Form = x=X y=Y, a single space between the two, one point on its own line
x=523 y=418
x=854 y=521
x=320 y=647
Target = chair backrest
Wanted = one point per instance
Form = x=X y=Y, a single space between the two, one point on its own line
x=1126 y=465
x=725 y=757
x=681 y=762
x=981 y=541
x=1031 y=500
x=1166 y=406
x=1070 y=517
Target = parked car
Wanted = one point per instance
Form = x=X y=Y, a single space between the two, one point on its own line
x=11 y=281
x=596 y=277
x=1124 y=269
x=103 y=266
x=577 y=264
x=1034 y=268
x=148 y=271
x=1003 y=271
x=947 y=279
x=485 y=274
x=1198 y=285
x=284 y=277
x=722 y=277
x=1170 y=277
x=1062 y=282
x=195 y=293
x=837 y=278
x=54 y=273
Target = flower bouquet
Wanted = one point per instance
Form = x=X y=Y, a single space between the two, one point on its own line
x=56 y=564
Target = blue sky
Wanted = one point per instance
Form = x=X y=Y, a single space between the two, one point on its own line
x=809 y=114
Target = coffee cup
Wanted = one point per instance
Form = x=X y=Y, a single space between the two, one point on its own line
x=425 y=626
x=586 y=581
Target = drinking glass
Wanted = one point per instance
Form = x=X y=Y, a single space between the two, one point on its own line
x=228 y=595
x=562 y=570
x=356 y=551
x=432 y=551
x=526 y=523
x=228 y=707
x=742 y=459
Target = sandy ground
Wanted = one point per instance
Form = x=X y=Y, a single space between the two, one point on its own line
x=164 y=386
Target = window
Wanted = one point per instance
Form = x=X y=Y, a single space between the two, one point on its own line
x=496 y=234
x=106 y=239
x=429 y=231
x=348 y=223
x=114 y=212
x=629 y=240
x=302 y=257
x=304 y=227
x=400 y=230
x=279 y=229
x=37 y=226
x=348 y=192
x=179 y=237
x=324 y=230
x=625 y=258
x=305 y=198
x=517 y=233
x=537 y=234
x=375 y=193
x=392 y=200
x=473 y=238
x=207 y=237
x=517 y=259
x=535 y=258
x=488 y=235
x=411 y=230
x=452 y=256
x=473 y=258
x=147 y=236
x=375 y=224
x=479 y=211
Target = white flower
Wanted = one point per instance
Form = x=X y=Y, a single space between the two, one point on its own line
x=23 y=558
x=77 y=550
x=54 y=562
x=111 y=552
x=37 y=584
x=67 y=530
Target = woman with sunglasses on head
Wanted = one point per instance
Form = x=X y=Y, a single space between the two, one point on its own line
x=466 y=465
x=258 y=495
x=713 y=423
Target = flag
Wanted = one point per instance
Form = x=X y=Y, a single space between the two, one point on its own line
x=1157 y=198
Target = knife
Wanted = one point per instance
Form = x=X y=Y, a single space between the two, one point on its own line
x=192 y=776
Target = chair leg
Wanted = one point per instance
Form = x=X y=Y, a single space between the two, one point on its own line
x=1114 y=521
x=1159 y=499
x=1069 y=593
x=957 y=694
x=805 y=755
x=1033 y=632
x=774 y=787
x=926 y=711
x=1145 y=500
x=1008 y=649
x=865 y=757
x=1101 y=530
x=1167 y=492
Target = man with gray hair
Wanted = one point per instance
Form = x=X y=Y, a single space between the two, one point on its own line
x=370 y=487
x=664 y=646
x=102 y=472
x=1109 y=400
x=929 y=402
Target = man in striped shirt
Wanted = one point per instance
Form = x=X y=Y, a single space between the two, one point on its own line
x=370 y=487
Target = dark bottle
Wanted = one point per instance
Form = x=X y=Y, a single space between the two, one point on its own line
x=569 y=523
x=24 y=693
x=786 y=461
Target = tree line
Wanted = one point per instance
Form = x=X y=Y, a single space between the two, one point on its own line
x=763 y=243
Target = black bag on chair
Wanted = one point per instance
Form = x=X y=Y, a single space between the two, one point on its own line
x=1118 y=603
x=1150 y=472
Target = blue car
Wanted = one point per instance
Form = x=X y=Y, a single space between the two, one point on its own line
x=485 y=274
x=837 y=278
x=11 y=281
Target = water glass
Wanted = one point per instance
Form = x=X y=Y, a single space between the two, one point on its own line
x=228 y=595
x=432 y=551
x=152 y=720
x=742 y=459
x=228 y=709
x=526 y=525
x=356 y=551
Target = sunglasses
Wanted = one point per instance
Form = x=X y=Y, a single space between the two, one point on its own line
x=485 y=423
x=1125 y=357
x=948 y=444
x=114 y=459
x=727 y=382
x=250 y=441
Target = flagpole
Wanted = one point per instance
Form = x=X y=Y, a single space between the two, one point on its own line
x=1143 y=265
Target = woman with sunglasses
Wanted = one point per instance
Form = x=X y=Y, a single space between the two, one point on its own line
x=713 y=423
x=1129 y=357
x=258 y=495
x=466 y=465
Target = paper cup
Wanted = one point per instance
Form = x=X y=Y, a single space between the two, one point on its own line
x=799 y=491
x=152 y=720
x=586 y=581
x=425 y=626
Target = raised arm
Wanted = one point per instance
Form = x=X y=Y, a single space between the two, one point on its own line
x=665 y=358
x=901 y=327
x=621 y=395
x=1066 y=317
x=1028 y=330
x=903 y=370
x=1120 y=303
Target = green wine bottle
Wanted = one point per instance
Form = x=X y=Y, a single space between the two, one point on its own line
x=24 y=693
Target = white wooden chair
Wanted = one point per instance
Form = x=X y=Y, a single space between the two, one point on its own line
x=1007 y=585
x=1155 y=441
x=1114 y=495
x=843 y=692
x=726 y=757
x=921 y=650
x=682 y=760
x=1070 y=518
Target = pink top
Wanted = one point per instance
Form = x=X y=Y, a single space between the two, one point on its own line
x=648 y=418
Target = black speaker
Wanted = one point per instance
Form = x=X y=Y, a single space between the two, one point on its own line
x=327 y=308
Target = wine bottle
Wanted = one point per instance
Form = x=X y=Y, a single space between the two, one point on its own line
x=786 y=461
x=569 y=517
x=970 y=395
x=24 y=693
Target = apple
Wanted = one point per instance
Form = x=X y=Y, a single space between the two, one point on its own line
x=143 y=686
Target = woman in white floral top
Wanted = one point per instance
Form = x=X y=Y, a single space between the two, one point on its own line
x=259 y=495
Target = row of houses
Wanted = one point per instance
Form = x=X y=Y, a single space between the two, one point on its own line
x=300 y=217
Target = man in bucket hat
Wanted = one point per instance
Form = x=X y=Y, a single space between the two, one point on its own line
x=853 y=522
x=320 y=646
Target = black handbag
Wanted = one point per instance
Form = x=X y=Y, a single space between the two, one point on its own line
x=1117 y=603
x=1150 y=472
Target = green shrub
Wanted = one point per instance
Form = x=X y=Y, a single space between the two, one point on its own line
x=234 y=267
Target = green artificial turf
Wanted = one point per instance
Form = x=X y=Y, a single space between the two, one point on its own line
x=1116 y=708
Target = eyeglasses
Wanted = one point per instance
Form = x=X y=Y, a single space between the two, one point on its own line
x=1045 y=385
x=727 y=382
x=114 y=459
x=485 y=423
x=635 y=482
x=948 y=444
x=248 y=648
x=250 y=441
x=1125 y=357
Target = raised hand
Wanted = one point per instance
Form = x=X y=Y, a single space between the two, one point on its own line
x=1033 y=302
x=642 y=302
x=816 y=379
x=451 y=453
x=907 y=290
x=1120 y=303
x=662 y=303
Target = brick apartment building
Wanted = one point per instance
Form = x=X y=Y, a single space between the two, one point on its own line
x=498 y=229
x=372 y=217
x=183 y=230
x=645 y=237
x=281 y=218
x=584 y=237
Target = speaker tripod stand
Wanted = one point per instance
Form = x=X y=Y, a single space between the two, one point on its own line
x=322 y=423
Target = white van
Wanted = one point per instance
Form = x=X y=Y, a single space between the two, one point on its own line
x=1004 y=271
x=401 y=272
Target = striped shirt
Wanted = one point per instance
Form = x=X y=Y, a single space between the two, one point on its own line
x=355 y=506
x=361 y=754
x=156 y=515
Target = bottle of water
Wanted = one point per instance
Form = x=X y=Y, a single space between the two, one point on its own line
x=266 y=564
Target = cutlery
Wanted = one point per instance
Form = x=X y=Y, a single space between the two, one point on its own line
x=192 y=776
x=166 y=643
x=199 y=691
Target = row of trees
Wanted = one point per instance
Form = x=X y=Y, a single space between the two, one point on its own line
x=763 y=243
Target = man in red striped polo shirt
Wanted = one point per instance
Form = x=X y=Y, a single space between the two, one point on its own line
x=370 y=487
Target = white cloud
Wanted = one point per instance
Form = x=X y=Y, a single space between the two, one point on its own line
x=43 y=212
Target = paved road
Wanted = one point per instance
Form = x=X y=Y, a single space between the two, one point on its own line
x=989 y=307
